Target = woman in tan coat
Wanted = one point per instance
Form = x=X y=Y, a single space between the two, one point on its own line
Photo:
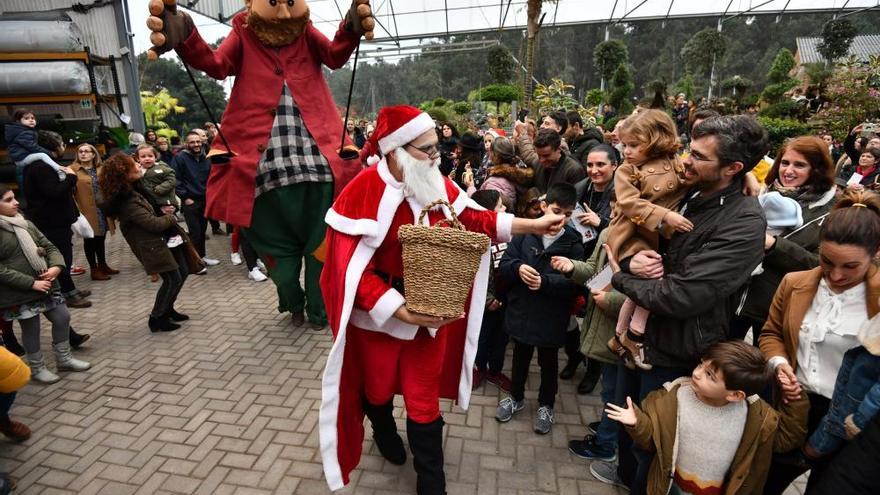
x=87 y=198
x=816 y=315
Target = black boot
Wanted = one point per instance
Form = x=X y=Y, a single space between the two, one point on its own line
x=572 y=350
x=426 y=444
x=162 y=325
x=385 y=435
x=11 y=342
x=78 y=339
x=175 y=316
x=591 y=377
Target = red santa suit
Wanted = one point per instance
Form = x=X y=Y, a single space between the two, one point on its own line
x=375 y=355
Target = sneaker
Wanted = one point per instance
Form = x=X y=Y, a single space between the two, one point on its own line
x=507 y=408
x=77 y=270
x=174 y=241
x=544 y=420
x=589 y=449
x=236 y=258
x=479 y=376
x=500 y=380
x=606 y=472
x=261 y=265
x=257 y=276
x=593 y=428
x=203 y=271
x=210 y=261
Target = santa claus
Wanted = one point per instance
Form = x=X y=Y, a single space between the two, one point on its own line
x=278 y=175
x=381 y=348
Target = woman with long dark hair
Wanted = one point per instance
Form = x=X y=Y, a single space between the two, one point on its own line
x=803 y=173
x=143 y=229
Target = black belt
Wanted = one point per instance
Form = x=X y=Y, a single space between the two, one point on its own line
x=394 y=282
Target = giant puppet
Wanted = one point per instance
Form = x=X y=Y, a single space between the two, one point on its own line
x=281 y=170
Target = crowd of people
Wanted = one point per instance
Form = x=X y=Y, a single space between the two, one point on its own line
x=723 y=294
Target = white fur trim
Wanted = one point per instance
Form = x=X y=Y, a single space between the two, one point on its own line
x=385 y=174
x=372 y=160
x=472 y=337
x=504 y=227
x=359 y=227
x=393 y=327
x=329 y=412
x=385 y=307
x=406 y=133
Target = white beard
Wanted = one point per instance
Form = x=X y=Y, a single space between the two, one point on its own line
x=422 y=179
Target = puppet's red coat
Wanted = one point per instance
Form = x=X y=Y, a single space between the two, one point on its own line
x=362 y=222
x=260 y=72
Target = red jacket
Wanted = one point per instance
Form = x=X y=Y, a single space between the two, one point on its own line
x=260 y=72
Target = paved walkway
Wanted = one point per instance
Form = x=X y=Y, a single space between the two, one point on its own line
x=229 y=404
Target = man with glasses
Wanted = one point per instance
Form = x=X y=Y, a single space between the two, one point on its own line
x=690 y=285
x=382 y=348
x=192 y=167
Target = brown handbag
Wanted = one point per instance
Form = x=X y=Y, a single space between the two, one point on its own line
x=193 y=260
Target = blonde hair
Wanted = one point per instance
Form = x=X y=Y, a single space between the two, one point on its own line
x=96 y=161
x=655 y=130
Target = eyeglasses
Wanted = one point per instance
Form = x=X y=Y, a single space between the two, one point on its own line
x=429 y=150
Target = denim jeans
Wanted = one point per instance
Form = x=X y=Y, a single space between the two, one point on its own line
x=606 y=436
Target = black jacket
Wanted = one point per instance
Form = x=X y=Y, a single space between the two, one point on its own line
x=540 y=317
x=21 y=141
x=581 y=145
x=192 y=174
x=567 y=170
x=49 y=201
x=691 y=306
x=599 y=202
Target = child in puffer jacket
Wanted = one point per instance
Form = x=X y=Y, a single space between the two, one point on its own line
x=856 y=398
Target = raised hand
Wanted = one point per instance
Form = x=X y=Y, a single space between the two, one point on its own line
x=360 y=18
x=170 y=27
x=625 y=416
x=561 y=264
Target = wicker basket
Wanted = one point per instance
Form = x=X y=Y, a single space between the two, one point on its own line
x=439 y=264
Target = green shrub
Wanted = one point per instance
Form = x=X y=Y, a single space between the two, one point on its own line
x=438 y=114
x=461 y=108
x=778 y=130
x=439 y=102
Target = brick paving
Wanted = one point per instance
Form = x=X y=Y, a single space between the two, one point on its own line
x=229 y=404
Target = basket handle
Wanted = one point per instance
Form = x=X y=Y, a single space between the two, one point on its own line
x=453 y=222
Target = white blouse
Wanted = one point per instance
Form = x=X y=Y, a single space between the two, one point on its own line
x=830 y=328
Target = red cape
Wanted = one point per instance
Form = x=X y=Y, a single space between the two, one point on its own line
x=359 y=221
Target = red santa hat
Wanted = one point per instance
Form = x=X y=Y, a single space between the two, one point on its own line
x=395 y=127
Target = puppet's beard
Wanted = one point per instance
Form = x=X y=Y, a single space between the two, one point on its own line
x=277 y=33
x=422 y=179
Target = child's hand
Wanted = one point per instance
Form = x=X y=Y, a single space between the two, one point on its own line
x=494 y=305
x=41 y=285
x=530 y=277
x=678 y=222
x=562 y=264
x=850 y=426
x=625 y=416
x=167 y=209
x=788 y=382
